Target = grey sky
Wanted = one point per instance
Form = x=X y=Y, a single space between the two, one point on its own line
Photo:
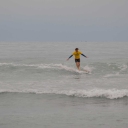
x=63 y=20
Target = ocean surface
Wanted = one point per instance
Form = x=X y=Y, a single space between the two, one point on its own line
x=39 y=88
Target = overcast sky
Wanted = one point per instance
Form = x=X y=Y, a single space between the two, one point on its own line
x=63 y=20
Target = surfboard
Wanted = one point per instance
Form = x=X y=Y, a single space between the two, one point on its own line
x=83 y=71
x=86 y=71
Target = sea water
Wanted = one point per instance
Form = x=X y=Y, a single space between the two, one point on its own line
x=40 y=88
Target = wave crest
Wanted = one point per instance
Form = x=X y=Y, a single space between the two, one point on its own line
x=45 y=66
x=98 y=93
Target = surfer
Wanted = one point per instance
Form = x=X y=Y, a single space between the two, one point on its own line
x=77 y=54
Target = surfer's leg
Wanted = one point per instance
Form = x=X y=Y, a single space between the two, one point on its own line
x=78 y=65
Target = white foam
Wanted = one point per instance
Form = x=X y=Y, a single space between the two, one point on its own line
x=112 y=75
x=88 y=68
x=123 y=67
x=110 y=93
x=2 y=64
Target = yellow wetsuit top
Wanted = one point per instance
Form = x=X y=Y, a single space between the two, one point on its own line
x=77 y=54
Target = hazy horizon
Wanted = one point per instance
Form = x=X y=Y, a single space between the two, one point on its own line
x=64 y=20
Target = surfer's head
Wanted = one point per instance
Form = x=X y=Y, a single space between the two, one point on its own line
x=76 y=49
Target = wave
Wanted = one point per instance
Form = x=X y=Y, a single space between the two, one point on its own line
x=46 y=66
x=98 y=93
x=105 y=69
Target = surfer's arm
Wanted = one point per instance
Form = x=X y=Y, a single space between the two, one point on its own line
x=84 y=55
x=69 y=57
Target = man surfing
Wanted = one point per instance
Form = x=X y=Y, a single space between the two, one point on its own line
x=77 y=54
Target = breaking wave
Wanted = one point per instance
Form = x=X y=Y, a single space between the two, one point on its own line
x=98 y=93
x=45 y=66
x=98 y=67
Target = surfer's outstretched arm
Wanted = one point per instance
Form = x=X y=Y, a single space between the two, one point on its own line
x=69 y=57
x=84 y=55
